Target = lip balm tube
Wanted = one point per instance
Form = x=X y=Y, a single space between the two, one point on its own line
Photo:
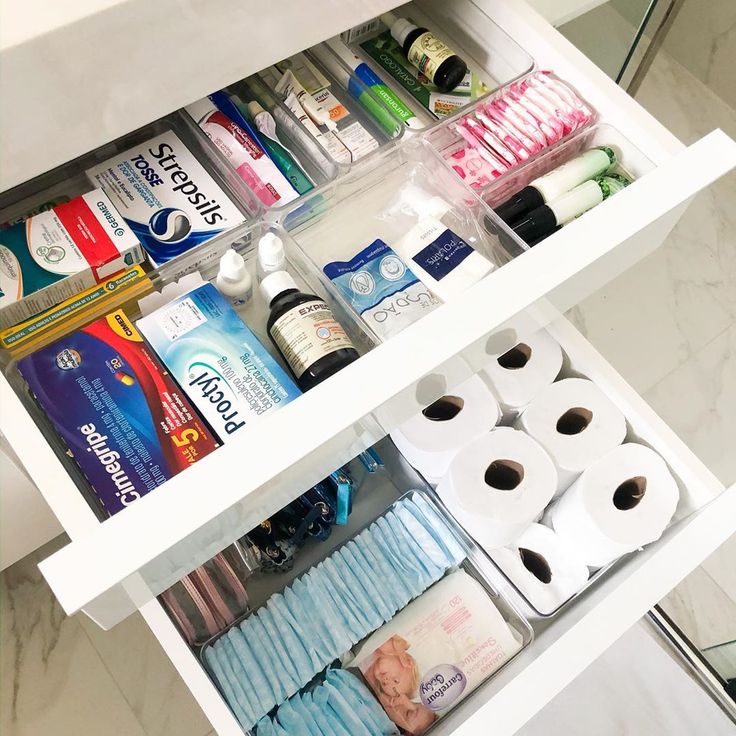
x=375 y=83
x=374 y=108
x=545 y=188
x=542 y=221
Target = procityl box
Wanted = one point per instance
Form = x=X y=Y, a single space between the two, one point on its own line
x=55 y=254
x=125 y=421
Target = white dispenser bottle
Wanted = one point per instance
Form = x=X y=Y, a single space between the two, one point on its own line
x=233 y=279
x=271 y=256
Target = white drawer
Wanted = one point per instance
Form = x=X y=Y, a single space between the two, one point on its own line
x=567 y=643
x=180 y=526
x=111 y=569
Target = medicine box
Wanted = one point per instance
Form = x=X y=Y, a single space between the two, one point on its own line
x=125 y=421
x=226 y=372
x=166 y=196
x=55 y=254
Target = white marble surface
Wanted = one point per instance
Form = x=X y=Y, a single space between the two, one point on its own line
x=635 y=689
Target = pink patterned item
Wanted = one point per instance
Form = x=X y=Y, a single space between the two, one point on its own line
x=568 y=121
x=550 y=133
x=499 y=166
x=549 y=94
x=520 y=119
x=508 y=139
x=538 y=113
x=491 y=141
x=565 y=93
x=495 y=114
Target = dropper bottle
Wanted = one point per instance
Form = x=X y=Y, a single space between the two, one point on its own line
x=233 y=279
x=305 y=332
x=271 y=256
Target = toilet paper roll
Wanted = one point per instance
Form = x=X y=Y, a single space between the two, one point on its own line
x=497 y=485
x=620 y=503
x=576 y=423
x=433 y=437
x=544 y=567
x=518 y=375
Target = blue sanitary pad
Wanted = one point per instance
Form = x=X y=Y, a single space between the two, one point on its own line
x=278 y=650
x=341 y=706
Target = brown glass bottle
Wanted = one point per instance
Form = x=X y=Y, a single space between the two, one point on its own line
x=304 y=331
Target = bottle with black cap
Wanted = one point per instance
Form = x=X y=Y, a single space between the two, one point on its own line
x=549 y=187
x=304 y=331
x=433 y=57
x=543 y=221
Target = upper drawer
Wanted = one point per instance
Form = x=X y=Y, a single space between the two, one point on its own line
x=168 y=533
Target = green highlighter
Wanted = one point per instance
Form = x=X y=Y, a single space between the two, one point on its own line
x=382 y=115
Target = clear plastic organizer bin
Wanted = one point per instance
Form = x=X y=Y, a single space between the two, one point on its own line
x=69 y=180
x=376 y=494
x=205 y=260
x=631 y=162
x=494 y=57
x=505 y=583
x=366 y=205
x=380 y=126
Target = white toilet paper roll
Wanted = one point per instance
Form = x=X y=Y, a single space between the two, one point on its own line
x=433 y=437
x=518 y=375
x=497 y=485
x=544 y=567
x=620 y=503
x=576 y=423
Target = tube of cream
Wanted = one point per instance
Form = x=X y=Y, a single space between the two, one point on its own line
x=375 y=83
x=545 y=188
x=248 y=159
x=542 y=221
x=283 y=158
x=375 y=109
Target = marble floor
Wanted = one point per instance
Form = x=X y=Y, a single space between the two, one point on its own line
x=669 y=326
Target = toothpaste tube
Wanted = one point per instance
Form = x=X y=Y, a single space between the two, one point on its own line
x=223 y=368
x=166 y=196
x=55 y=254
x=122 y=416
x=243 y=153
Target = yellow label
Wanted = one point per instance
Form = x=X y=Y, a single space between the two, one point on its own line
x=427 y=53
x=307 y=333
x=120 y=324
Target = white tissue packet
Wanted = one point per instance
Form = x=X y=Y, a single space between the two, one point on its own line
x=435 y=652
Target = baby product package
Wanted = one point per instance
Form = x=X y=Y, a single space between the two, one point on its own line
x=126 y=423
x=435 y=652
x=382 y=289
x=223 y=368
x=54 y=254
x=166 y=196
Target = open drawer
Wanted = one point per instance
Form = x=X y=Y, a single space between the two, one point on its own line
x=180 y=526
x=564 y=644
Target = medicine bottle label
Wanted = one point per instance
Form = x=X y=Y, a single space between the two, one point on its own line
x=427 y=53
x=307 y=333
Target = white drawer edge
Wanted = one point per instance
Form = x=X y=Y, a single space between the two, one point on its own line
x=90 y=566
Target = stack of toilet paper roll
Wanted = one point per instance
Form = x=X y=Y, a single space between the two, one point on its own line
x=562 y=462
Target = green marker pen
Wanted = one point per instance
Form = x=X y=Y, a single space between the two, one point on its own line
x=382 y=115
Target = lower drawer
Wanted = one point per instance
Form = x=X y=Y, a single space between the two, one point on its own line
x=565 y=644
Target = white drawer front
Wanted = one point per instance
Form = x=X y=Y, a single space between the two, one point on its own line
x=569 y=642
